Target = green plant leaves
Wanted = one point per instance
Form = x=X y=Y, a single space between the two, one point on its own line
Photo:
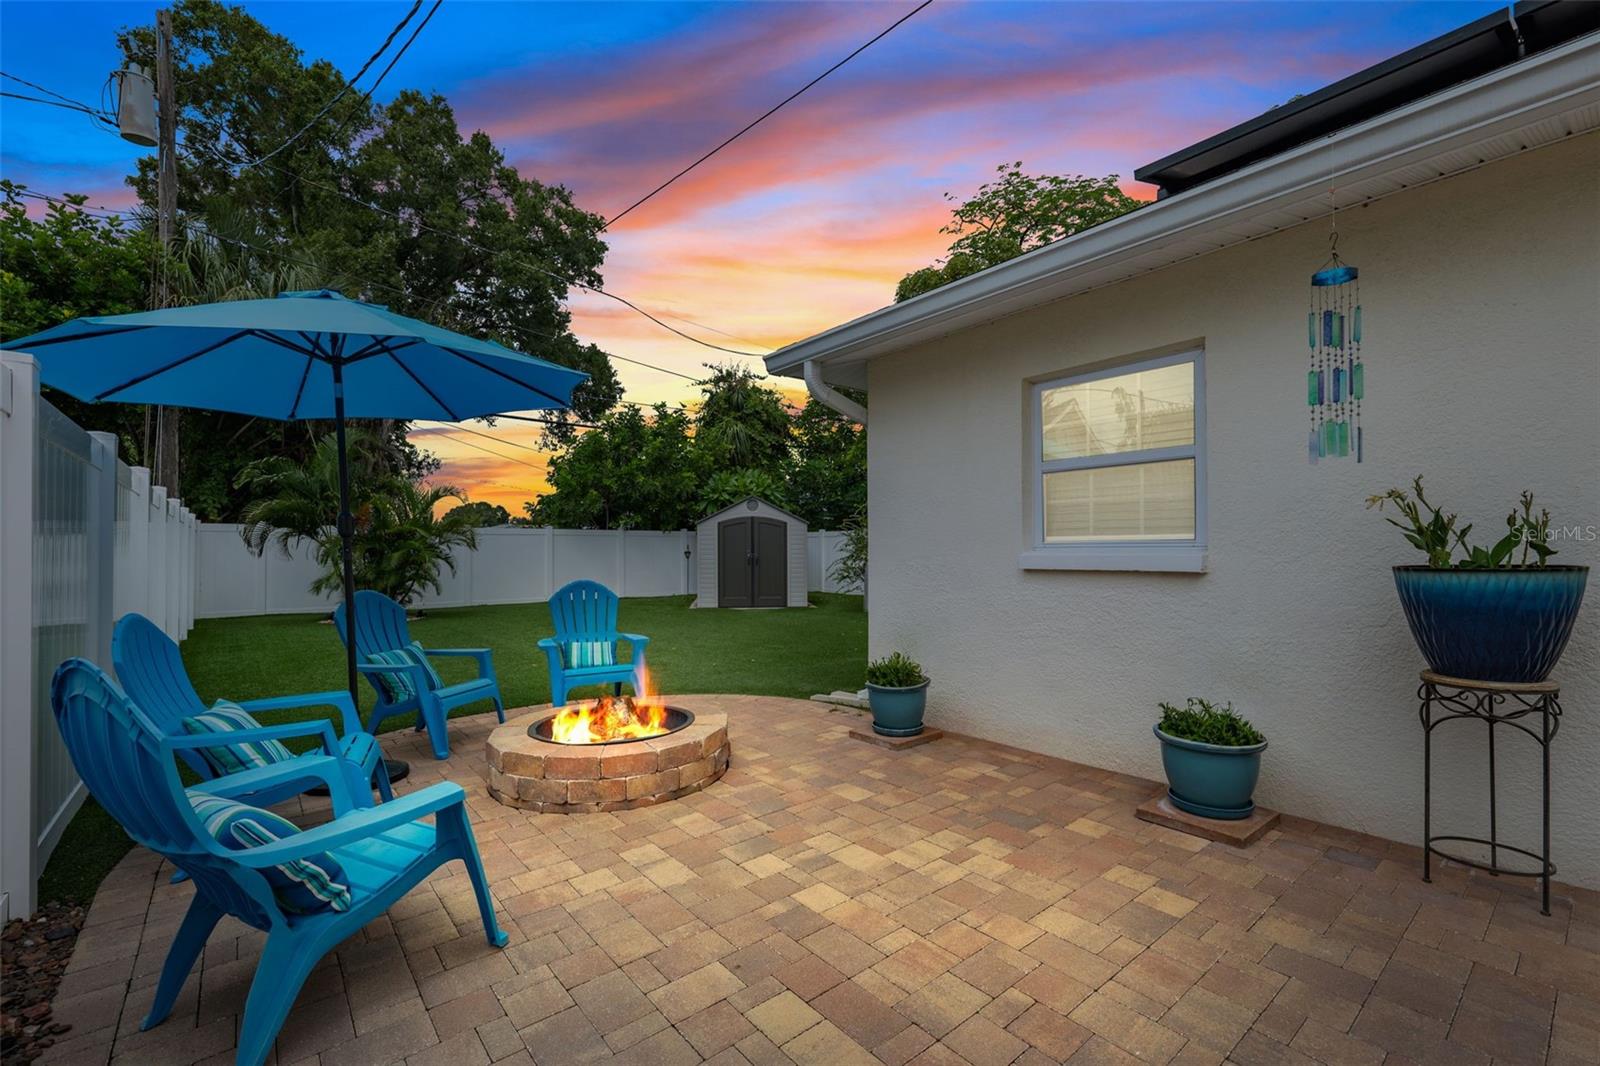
x=1437 y=538
x=1203 y=722
x=895 y=671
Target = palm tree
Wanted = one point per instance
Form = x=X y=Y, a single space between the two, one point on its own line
x=399 y=545
x=408 y=540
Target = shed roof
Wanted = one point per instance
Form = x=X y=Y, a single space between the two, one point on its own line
x=759 y=499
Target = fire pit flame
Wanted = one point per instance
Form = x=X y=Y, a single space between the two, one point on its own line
x=612 y=718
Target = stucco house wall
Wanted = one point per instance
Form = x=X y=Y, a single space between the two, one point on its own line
x=705 y=532
x=1482 y=313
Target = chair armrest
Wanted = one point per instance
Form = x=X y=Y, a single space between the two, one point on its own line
x=636 y=639
x=485 y=665
x=317 y=727
x=356 y=826
x=243 y=784
x=552 y=651
x=337 y=698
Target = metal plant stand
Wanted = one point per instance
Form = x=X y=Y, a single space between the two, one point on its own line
x=1497 y=704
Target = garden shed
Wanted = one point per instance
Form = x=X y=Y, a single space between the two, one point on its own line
x=751 y=554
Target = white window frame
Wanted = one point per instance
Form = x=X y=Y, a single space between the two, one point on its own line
x=1177 y=556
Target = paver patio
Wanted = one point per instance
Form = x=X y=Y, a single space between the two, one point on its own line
x=830 y=902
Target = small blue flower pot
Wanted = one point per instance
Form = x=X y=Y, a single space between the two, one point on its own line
x=1492 y=625
x=1211 y=780
x=897 y=712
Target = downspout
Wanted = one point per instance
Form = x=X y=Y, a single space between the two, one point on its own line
x=830 y=397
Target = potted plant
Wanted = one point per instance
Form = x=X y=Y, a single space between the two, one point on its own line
x=1212 y=757
x=897 y=692
x=1501 y=613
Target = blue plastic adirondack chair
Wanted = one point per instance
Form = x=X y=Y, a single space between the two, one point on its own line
x=381 y=628
x=584 y=649
x=385 y=851
x=151 y=669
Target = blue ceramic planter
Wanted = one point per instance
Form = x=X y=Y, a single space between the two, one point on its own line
x=1211 y=780
x=897 y=712
x=1491 y=625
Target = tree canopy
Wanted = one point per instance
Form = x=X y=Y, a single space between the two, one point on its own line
x=481 y=514
x=388 y=202
x=1013 y=214
x=668 y=467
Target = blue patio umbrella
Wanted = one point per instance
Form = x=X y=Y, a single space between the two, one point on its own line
x=304 y=355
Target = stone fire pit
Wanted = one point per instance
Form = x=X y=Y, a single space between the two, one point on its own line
x=540 y=775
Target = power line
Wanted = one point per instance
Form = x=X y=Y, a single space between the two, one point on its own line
x=403 y=48
x=74 y=106
x=395 y=59
x=344 y=90
x=491 y=451
x=551 y=421
x=461 y=238
x=469 y=243
x=769 y=112
x=485 y=436
x=532 y=266
x=116 y=216
x=652 y=366
x=47 y=92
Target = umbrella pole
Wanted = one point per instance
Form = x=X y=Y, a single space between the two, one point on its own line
x=395 y=768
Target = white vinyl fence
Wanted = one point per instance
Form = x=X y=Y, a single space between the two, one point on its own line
x=512 y=564
x=83 y=539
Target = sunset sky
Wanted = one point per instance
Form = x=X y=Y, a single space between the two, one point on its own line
x=811 y=218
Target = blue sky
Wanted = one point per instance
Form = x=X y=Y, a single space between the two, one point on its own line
x=810 y=219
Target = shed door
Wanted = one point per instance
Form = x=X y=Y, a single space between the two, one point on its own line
x=771 y=563
x=735 y=566
x=752 y=563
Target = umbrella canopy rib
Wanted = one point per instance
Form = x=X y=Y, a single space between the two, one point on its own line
x=559 y=403
x=380 y=346
x=42 y=341
x=300 y=390
x=191 y=357
x=423 y=385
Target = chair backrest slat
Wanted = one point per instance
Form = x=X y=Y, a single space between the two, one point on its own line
x=380 y=623
x=584 y=611
x=151 y=670
x=115 y=749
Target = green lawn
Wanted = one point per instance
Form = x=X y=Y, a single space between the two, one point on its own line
x=778 y=653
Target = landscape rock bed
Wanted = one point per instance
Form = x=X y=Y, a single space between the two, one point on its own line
x=34 y=953
x=537 y=775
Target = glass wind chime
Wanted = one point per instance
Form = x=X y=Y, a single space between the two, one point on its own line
x=1335 y=383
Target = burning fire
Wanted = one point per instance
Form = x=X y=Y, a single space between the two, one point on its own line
x=612 y=718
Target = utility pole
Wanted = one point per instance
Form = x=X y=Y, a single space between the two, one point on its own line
x=167 y=419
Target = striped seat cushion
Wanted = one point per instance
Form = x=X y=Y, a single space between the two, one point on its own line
x=301 y=886
x=226 y=717
x=580 y=653
x=396 y=687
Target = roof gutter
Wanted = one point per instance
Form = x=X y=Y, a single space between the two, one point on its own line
x=828 y=396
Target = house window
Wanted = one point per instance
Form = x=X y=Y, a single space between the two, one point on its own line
x=1119 y=461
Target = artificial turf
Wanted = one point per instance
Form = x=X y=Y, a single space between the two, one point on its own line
x=791 y=652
